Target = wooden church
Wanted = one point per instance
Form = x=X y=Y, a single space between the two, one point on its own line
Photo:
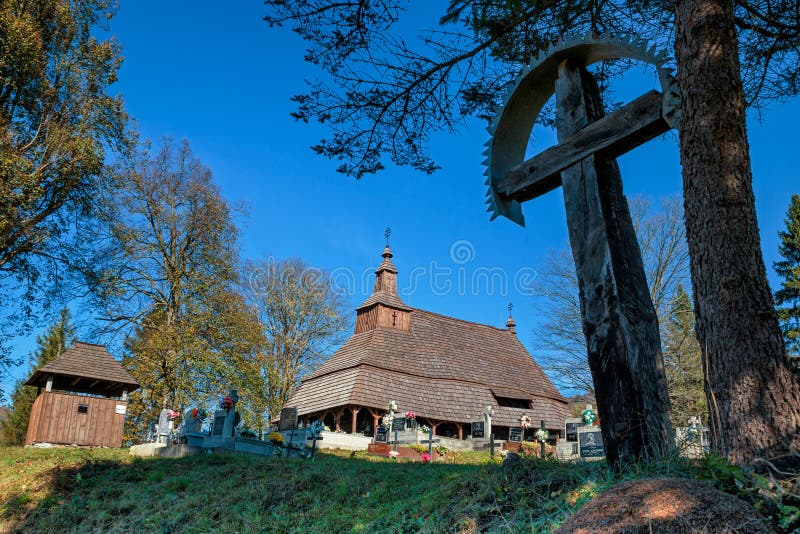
x=82 y=400
x=446 y=370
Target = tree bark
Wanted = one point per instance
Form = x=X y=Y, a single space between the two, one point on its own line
x=754 y=402
x=619 y=321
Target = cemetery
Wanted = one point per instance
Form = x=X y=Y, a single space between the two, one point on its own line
x=653 y=385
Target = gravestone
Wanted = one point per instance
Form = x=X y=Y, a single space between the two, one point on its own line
x=219 y=422
x=288 y=418
x=398 y=424
x=382 y=435
x=230 y=417
x=515 y=434
x=477 y=429
x=571 y=426
x=590 y=443
x=191 y=425
x=164 y=426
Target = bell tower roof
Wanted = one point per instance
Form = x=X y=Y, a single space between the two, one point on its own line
x=385 y=291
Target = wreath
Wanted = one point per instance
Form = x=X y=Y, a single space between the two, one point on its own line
x=525 y=421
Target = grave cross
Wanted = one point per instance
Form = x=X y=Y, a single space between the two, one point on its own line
x=487 y=419
x=618 y=316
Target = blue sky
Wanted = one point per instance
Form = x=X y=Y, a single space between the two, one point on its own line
x=222 y=78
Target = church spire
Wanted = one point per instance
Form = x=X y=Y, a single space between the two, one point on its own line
x=386 y=274
x=384 y=308
x=511 y=324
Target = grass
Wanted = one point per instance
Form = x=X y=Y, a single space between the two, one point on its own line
x=105 y=490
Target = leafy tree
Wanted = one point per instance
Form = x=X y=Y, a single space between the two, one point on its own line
x=168 y=281
x=57 y=122
x=787 y=297
x=386 y=93
x=560 y=339
x=49 y=346
x=301 y=317
x=683 y=360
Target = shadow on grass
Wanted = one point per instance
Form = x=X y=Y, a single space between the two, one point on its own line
x=355 y=493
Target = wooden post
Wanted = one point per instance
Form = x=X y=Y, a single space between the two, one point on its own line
x=434 y=426
x=355 y=419
x=619 y=321
x=460 y=431
x=338 y=418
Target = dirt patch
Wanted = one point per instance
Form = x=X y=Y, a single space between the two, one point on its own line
x=665 y=505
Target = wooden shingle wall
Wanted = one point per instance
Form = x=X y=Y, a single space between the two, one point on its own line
x=55 y=419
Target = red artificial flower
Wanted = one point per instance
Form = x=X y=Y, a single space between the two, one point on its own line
x=426 y=457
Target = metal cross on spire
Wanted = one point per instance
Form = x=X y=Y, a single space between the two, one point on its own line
x=510 y=307
x=387 y=234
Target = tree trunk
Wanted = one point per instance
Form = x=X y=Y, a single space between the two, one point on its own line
x=619 y=321
x=753 y=400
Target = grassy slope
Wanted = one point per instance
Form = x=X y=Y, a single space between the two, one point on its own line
x=105 y=490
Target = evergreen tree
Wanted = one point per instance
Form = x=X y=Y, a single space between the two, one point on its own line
x=683 y=361
x=49 y=347
x=787 y=298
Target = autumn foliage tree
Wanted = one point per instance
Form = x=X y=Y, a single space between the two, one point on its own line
x=58 y=121
x=301 y=317
x=167 y=282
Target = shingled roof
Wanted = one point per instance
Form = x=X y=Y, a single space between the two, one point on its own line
x=86 y=368
x=442 y=368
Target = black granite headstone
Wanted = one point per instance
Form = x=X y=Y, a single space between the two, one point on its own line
x=571 y=430
x=477 y=429
x=590 y=443
x=398 y=424
x=288 y=419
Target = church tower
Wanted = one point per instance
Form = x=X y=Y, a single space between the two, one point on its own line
x=384 y=308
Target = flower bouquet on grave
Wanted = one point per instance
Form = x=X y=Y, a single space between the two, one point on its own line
x=275 y=438
x=393 y=455
x=227 y=402
x=411 y=419
x=426 y=458
x=172 y=415
x=542 y=434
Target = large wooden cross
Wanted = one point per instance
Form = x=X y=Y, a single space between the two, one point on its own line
x=619 y=320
